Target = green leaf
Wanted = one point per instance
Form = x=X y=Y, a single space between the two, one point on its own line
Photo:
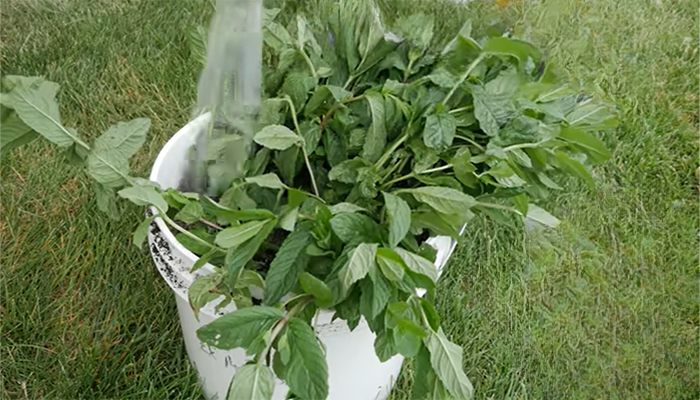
x=252 y=382
x=270 y=180
x=547 y=181
x=238 y=257
x=324 y=93
x=36 y=106
x=430 y=313
x=417 y=29
x=142 y=231
x=195 y=246
x=463 y=167
x=250 y=278
x=418 y=264
x=315 y=251
x=106 y=201
x=271 y=111
x=201 y=290
x=239 y=328
x=398 y=216
x=439 y=131
x=233 y=216
x=442 y=199
x=512 y=47
x=425 y=157
x=347 y=171
x=520 y=157
x=376 y=134
x=10 y=82
x=278 y=363
x=429 y=386
x=203 y=260
x=440 y=180
x=384 y=346
x=541 y=216
x=237 y=197
x=446 y=359
x=591 y=116
x=407 y=337
x=296 y=85
x=236 y=235
x=288 y=164
x=269 y=14
x=590 y=144
x=289 y=262
x=277 y=137
x=76 y=155
x=443 y=78
x=289 y=219
x=493 y=106
x=144 y=196
x=573 y=167
x=358 y=266
x=190 y=213
x=15 y=133
x=307 y=371
x=276 y=36
x=301 y=31
x=348 y=305
x=198 y=43
x=395 y=312
x=390 y=264
x=520 y=202
x=335 y=147
x=506 y=176
x=311 y=132
x=353 y=228
x=376 y=292
x=108 y=162
x=345 y=208
x=437 y=223
x=461 y=50
x=177 y=199
x=316 y=287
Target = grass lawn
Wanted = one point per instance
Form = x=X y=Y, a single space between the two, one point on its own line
x=604 y=307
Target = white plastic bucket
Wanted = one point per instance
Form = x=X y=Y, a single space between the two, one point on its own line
x=355 y=372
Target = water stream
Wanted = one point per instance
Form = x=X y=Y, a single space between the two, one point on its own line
x=229 y=88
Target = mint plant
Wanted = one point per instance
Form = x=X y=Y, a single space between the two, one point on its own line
x=369 y=142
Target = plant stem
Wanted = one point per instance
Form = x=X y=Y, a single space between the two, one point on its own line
x=456 y=110
x=279 y=326
x=523 y=146
x=466 y=139
x=186 y=232
x=306 y=217
x=303 y=145
x=308 y=61
x=391 y=149
x=399 y=179
x=396 y=167
x=348 y=82
x=297 y=297
x=311 y=173
x=413 y=174
x=437 y=169
x=327 y=117
x=464 y=76
x=408 y=71
x=211 y=224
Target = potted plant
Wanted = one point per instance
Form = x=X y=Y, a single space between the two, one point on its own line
x=373 y=152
